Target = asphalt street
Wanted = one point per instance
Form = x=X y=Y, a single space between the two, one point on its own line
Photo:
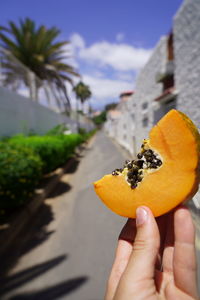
x=72 y=239
x=67 y=250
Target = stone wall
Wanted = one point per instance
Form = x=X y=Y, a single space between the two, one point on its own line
x=143 y=110
x=186 y=30
x=187 y=62
x=146 y=90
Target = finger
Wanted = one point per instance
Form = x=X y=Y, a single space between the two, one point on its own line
x=128 y=231
x=185 y=267
x=141 y=265
x=167 y=261
x=162 y=222
x=123 y=252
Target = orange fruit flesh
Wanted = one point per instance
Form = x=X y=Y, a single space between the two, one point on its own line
x=177 y=141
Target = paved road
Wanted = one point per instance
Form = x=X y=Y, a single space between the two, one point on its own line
x=72 y=239
x=70 y=244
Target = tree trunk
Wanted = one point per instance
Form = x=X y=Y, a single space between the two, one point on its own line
x=77 y=116
x=32 y=85
x=82 y=102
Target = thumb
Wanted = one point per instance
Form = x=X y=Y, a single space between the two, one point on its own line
x=141 y=265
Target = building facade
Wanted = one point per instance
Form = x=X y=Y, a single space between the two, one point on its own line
x=187 y=58
x=120 y=123
x=170 y=79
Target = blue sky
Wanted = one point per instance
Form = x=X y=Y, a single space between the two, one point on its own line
x=111 y=40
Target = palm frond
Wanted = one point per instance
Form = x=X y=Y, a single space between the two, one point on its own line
x=37 y=48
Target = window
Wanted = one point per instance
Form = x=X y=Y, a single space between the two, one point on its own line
x=170 y=104
x=170 y=47
x=168 y=82
x=145 y=121
x=144 y=105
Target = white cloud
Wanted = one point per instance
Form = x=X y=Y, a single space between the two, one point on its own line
x=70 y=55
x=77 y=41
x=123 y=60
x=121 y=57
x=104 y=88
x=120 y=37
x=127 y=76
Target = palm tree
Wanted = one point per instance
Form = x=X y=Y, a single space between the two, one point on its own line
x=82 y=92
x=36 y=48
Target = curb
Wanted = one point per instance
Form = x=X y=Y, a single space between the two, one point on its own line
x=21 y=219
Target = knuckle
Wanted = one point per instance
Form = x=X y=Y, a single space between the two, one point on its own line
x=139 y=245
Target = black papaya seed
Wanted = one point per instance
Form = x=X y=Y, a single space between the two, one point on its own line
x=140 y=163
x=153 y=166
x=129 y=166
x=133 y=186
x=159 y=162
x=139 y=155
x=149 y=159
x=127 y=161
x=130 y=174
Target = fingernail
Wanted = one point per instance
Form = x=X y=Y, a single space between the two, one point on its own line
x=141 y=216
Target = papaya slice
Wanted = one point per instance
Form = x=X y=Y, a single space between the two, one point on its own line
x=165 y=173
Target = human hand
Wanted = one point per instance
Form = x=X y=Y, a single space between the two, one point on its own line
x=155 y=260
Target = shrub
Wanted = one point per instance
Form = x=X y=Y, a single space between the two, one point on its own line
x=100 y=119
x=20 y=172
x=57 y=130
x=89 y=134
x=49 y=148
x=82 y=131
x=53 y=150
x=24 y=159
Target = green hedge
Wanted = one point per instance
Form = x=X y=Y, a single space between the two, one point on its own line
x=57 y=130
x=23 y=160
x=53 y=150
x=20 y=172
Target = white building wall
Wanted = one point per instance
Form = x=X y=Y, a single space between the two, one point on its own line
x=146 y=90
x=129 y=130
x=111 y=125
x=187 y=62
x=186 y=39
x=21 y=115
x=186 y=30
x=124 y=126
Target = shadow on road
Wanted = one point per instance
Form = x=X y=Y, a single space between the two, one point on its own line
x=33 y=235
x=10 y=282
x=36 y=231
x=61 y=188
x=73 y=166
x=53 y=292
